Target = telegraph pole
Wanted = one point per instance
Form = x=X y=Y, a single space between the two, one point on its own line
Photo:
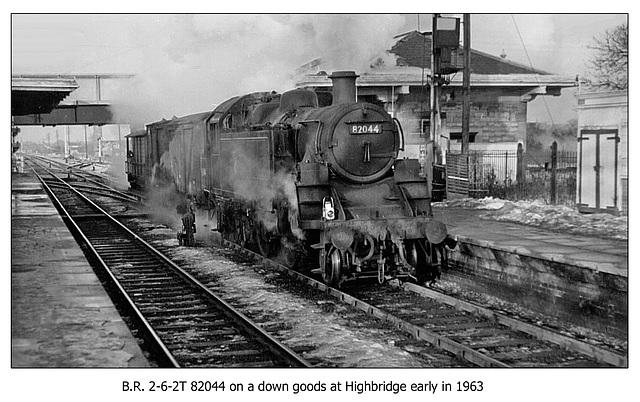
x=432 y=94
x=466 y=83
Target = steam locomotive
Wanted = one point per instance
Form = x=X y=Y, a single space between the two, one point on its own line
x=316 y=186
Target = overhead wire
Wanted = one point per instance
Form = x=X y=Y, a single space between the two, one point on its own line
x=531 y=65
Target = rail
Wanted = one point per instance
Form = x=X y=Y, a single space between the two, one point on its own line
x=100 y=243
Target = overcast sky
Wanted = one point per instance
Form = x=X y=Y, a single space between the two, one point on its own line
x=188 y=63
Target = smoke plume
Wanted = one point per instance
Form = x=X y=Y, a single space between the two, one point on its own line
x=185 y=64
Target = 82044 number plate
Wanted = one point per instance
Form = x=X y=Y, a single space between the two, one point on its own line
x=365 y=128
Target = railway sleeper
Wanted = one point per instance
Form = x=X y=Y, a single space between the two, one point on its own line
x=178 y=336
x=147 y=280
x=166 y=298
x=258 y=364
x=198 y=318
x=138 y=268
x=149 y=284
x=164 y=305
x=501 y=343
x=436 y=322
x=479 y=332
x=209 y=357
x=189 y=325
x=182 y=311
x=229 y=347
x=451 y=328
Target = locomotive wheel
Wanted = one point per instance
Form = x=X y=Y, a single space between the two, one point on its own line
x=223 y=226
x=332 y=267
x=266 y=247
x=240 y=233
x=236 y=232
x=412 y=253
x=229 y=231
x=427 y=267
x=288 y=255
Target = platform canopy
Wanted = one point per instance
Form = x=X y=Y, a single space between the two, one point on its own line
x=38 y=95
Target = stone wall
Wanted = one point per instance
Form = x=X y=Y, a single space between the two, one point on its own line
x=498 y=116
x=585 y=296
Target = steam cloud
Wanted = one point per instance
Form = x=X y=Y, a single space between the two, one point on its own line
x=189 y=63
x=185 y=64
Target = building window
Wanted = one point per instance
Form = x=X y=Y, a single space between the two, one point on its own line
x=425 y=128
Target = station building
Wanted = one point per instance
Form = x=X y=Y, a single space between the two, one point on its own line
x=500 y=92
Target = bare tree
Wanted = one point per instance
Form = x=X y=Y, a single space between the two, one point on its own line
x=609 y=66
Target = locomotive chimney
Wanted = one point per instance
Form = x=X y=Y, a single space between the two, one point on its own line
x=344 y=87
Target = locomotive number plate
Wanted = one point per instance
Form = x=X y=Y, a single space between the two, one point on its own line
x=363 y=128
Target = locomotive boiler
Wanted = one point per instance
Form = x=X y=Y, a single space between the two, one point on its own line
x=321 y=187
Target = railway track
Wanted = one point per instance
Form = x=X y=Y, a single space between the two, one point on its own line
x=88 y=181
x=182 y=321
x=478 y=335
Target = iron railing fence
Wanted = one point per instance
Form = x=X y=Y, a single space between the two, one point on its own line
x=516 y=175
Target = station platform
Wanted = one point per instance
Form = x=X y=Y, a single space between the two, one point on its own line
x=598 y=254
x=61 y=315
x=581 y=279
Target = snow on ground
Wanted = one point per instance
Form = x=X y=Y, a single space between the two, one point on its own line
x=552 y=217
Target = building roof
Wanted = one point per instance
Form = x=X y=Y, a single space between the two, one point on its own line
x=414 y=50
x=413 y=69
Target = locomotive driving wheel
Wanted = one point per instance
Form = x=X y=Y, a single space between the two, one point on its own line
x=266 y=246
x=288 y=254
x=240 y=233
x=428 y=264
x=331 y=266
x=411 y=252
x=225 y=225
